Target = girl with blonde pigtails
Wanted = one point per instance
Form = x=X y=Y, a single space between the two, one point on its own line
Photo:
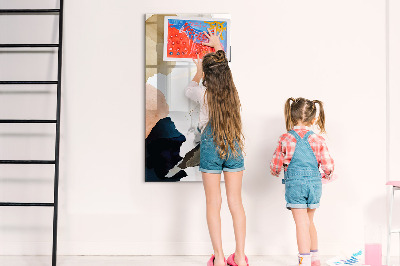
x=302 y=153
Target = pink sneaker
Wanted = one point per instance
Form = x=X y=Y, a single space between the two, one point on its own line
x=316 y=263
x=231 y=260
x=211 y=261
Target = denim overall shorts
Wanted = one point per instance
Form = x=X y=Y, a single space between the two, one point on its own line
x=303 y=186
x=210 y=160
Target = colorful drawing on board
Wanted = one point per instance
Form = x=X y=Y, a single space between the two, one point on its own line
x=183 y=37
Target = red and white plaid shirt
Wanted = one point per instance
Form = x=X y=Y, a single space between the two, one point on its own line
x=287 y=144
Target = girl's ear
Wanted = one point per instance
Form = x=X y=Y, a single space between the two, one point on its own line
x=314 y=120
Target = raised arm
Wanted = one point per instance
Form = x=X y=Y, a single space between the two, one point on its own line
x=194 y=91
x=199 y=72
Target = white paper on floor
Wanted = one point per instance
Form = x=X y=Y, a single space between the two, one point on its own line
x=350 y=258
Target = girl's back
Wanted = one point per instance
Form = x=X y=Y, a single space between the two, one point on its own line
x=287 y=146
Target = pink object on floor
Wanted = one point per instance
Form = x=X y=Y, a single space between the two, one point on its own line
x=393 y=183
x=231 y=260
x=211 y=261
x=316 y=263
x=333 y=178
x=373 y=254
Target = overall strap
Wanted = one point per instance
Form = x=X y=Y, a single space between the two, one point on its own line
x=303 y=164
x=308 y=134
x=294 y=133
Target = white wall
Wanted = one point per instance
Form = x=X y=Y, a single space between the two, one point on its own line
x=393 y=109
x=333 y=51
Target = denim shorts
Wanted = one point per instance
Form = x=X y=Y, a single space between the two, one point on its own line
x=210 y=160
x=303 y=193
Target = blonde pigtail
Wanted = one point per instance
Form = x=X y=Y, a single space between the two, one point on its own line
x=321 y=116
x=288 y=114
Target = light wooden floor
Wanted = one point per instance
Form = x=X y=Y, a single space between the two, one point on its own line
x=144 y=260
x=135 y=260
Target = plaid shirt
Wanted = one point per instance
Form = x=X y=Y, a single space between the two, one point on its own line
x=287 y=144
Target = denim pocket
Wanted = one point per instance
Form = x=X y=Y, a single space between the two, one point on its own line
x=317 y=190
x=293 y=190
x=207 y=149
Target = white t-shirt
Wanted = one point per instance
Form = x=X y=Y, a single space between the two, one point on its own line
x=196 y=92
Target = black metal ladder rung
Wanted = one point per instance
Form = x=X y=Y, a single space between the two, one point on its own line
x=28 y=204
x=31 y=11
x=29 y=82
x=28 y=45
x=27 y=121
x=56 y=161
x=27 y=161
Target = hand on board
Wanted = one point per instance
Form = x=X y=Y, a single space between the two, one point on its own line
x=213 y=39
x=199 y=73
x=199 y=65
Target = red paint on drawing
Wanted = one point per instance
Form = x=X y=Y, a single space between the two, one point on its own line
x=181 y=46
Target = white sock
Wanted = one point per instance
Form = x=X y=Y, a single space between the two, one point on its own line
x=314 y=255
x=305 y=260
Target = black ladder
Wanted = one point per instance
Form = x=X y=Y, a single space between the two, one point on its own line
x=57 y=82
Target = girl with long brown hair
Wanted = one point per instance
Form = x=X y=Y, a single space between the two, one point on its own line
x=220 y=147
x=302 y=153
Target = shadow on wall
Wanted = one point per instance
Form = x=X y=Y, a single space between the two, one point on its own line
x=375 y=213
x=376 y=219
x=263 y=193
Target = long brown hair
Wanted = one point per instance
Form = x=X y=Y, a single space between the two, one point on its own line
x=223 y=104
x=303 y=110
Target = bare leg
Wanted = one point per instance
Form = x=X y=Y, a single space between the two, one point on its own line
x=313 y=230
x=212 y=188
x=302 y=221
x=233 y=184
